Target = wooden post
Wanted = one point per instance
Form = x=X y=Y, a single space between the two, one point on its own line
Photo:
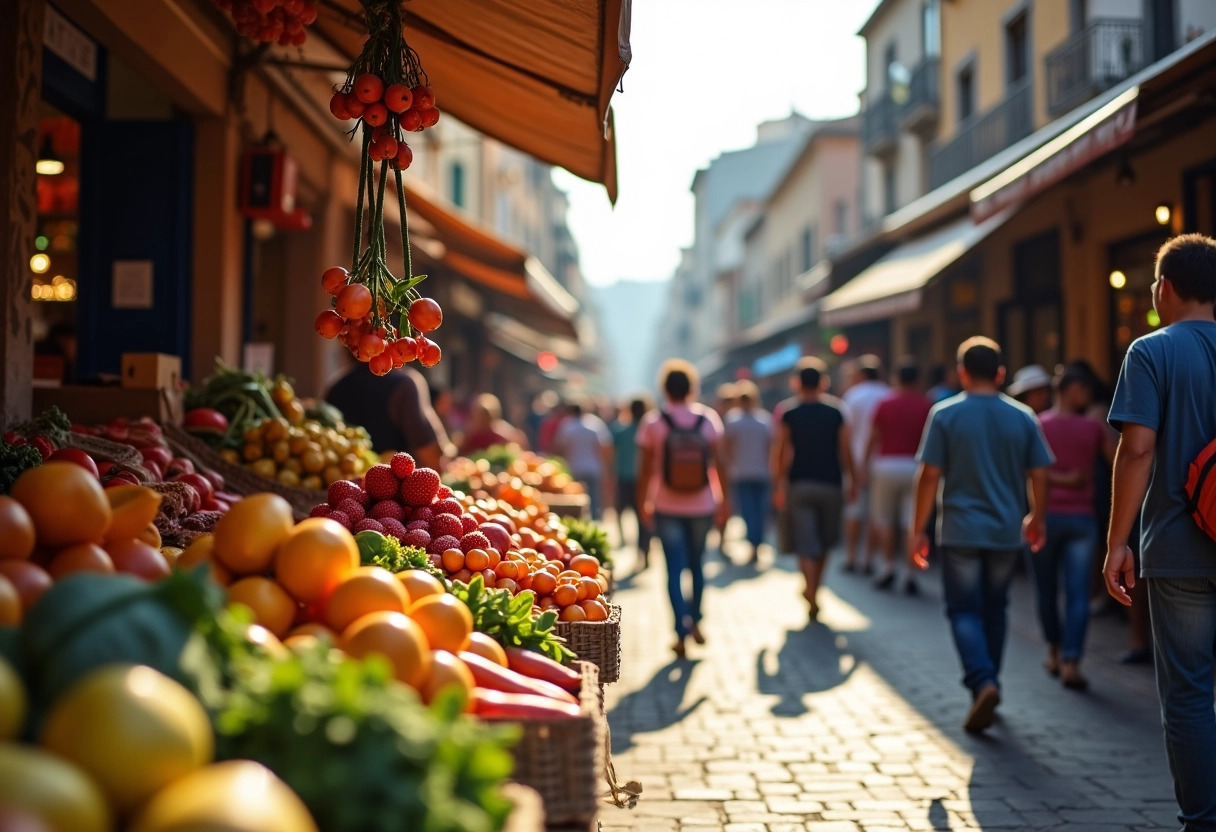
x=21 y=92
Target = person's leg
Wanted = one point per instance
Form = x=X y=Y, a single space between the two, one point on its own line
x=1184 y=636
x=906 y=497
x=696 y=530
x=593 y=487
x=671 y=535
x=1078 y=557
x=962 y=583
x=624 y=500
x=752 y=507
x=882 y=510
x=805 y=534
x=998 y=569
x=1045 y=571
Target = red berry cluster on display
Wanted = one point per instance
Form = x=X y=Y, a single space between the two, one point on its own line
x=271 y=21
x=390 y=110
x=381 y=345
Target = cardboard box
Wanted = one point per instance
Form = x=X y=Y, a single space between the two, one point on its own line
x=93 y=405
x=151 y=371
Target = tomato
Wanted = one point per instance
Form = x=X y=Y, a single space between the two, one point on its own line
x=82 y=557
x=380 y=364
x=16 y=531
x=138 y=558
x=333 y=279
x=76 y=457
x=354 y=301
x=375 y=115
x=386 y=148
x=425 y=315
x=424 y=97
x=405 y=350
x=430 y=117
x=205 y=419
x=10 y=606
x=429 y=353
x=328 y=324
x=411 y=120
x=368 y=88
x=405 y=156
x=354 y=106
x=29 y=580
x=337 y=106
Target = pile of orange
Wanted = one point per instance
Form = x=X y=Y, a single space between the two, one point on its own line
x=59 y=521
x=304 y=583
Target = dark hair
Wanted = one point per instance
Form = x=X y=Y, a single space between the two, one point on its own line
x=1072 y=375
x=638 y=408
x=1189 y=263
x=980 y=357
x=576 y=407
x=908 y=372
x=1085 y=371
x=677 y=385
x=811 y=371
x=870 y=367
x=937 y=375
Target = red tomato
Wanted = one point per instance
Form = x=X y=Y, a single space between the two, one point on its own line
x=334 y=279
x=337 y=106
x=430 y=117
x=76 y=457
x=329 y=324
x=411 y=120
x=429 y=353
x=398 y=98
x=375 y=114
x=424 y=97
x=369 y=88
x=405 y=156
x=354 y=106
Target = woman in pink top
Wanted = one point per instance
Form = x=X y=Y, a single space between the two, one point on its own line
x=1077 y=442
x=681 y=483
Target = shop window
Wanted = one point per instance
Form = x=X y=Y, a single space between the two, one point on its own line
x=457 y=184
x=931 y=29
x=888 y=188
x=1017 y=49
x=1131 y=270
x=965 y=84
x=890 y=62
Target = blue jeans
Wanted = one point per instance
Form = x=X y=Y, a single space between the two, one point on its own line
x=1070 y=546
x=1183 y=611
x=594 y=486
x=683 y=540
x=751 y=501
x=976 y=583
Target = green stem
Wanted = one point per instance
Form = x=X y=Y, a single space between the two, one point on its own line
x=364 y=164
x=405 y=229
x=378 y=229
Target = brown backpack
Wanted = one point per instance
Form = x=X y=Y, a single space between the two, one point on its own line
x=686 y=454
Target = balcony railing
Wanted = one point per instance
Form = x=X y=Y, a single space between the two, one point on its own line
x=879 y=130
x=1095 y=59
x=982 y=137
x=919 y=112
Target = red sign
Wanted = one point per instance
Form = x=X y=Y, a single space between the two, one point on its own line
x=1056 y=160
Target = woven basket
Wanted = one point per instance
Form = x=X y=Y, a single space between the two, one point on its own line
x=124 y=457
x=238 y=480
x=567 y=505
x=597 y=642
x=565 y=759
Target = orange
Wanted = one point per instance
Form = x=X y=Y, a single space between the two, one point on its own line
x=83 y=557
x=247 y=536
x=317 y=555
x=314 y=630
x=366 y=590
x=573 y=613
x=453 y=560
x=236 y=796
x=477 y=560
x=507 y=569
x=594 y=609
x=565 y=595
x=10 y=603
x=569 y=575
x=590 y=588
x=29 y=580
x=199 y=552
x=150 y=535
x=489 y=578
x=543 y=583
x=132 y=509
x=446 y=621
x=272 y=607
x=398 y=639
x=419 y=584
x=66 y=503
x=585 y=565
x=138 y=558
x=16 y=531
x=448 y=671
x=507 y=584
x=495 y=557
x=487 y=648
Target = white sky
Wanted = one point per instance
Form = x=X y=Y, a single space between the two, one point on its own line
x=704 y=74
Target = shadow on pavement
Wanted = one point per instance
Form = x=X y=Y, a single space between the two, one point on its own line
x=810 y=660
x=655 y=706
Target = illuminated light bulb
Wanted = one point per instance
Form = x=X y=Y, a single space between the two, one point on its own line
x=1162 y=213
x=1118 y=279
x=41 y=242
x=39 y=263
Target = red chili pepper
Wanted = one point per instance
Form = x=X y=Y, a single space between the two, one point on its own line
x=536 y=666
x=494 y=705
x=487 y=674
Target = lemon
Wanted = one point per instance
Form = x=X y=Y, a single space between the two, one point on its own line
x=12 y=702
x=237 y=796
x=133 y=729
x=53 y=790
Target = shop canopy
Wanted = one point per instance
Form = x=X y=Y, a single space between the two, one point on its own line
x=537 y=75
x=894 y=283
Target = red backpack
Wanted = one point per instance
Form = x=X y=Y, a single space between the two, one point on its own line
x=686 y=455
x=1201 y=489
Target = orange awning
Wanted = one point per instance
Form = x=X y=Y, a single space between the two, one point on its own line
x=538 y=76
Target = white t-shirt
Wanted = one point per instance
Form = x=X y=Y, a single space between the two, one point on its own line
x=860 y=401
x=581 y=443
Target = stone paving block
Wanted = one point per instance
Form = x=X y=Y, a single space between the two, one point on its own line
x=703 y=794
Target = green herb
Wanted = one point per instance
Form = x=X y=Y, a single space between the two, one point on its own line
x=591 y=536
x=52 y=423
x=244 y=399
x=15 y=460
x=509 y=620
x=500 y=457
x=388 y=552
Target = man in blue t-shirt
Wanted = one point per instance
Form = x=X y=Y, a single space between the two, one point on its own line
x=1165 y=409
x=982 y=447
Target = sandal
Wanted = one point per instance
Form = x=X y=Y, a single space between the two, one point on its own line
x=695 y=632
x=678 y=648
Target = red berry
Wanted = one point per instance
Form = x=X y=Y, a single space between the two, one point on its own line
x=384 y=148
x=443 y=543
x=381 y=364
x=380 y=482
x=329 y=324
x=423 y=513
x=447 y=506
x=333 y=280
x=375 y=115
x=429 y=117
x=354 y=106
x=429 y=353
x=368 y=525
x=425 y=315
x=398 y=98
x=446 y=524
x=352 y=509
x=424 y=97
x=319 y=510
x=405 y=156
x=468 y=523
x=354 y=301
x=444 y=492
x=474 y=540
x=411 y=120
x=368 y=88
x=337 y=106
x=425 y=525
x=418 y=489
x=388 y=509
x=417 y=537
x=370 y=345
x=393 y=528
x=340 y=490
x=405 y=350
x=402 y=465
x=340 y=518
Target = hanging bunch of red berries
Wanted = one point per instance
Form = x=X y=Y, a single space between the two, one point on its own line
x=381 y=319
x=271 y=21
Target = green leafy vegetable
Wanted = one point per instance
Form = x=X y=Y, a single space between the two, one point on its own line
x=591 y=536
x=385 y=551
x=15 y=460
x=509 y=619
x=52 y=423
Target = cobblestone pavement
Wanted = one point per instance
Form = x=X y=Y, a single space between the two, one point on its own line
x=854 y=724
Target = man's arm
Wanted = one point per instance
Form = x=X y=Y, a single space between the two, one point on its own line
x=845 y=450
x=1133 y=468
x=645 y=472
x=1034 y=527
x=719 y=458
x=871 y=446
x=924 y=496
x=779 y=464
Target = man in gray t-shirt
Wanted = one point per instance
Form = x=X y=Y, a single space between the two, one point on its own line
x=1165 y=408
x=983 y=448
x=748 y=437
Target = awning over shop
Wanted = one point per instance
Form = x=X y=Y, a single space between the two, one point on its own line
x=893 y=285
x=538 y=76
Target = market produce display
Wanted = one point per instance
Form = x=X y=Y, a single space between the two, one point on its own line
x=271 y=21
x=381 y=318
x=495 y=470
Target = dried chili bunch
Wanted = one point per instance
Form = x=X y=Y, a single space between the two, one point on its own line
x=381 y=319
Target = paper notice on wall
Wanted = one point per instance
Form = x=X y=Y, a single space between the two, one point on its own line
x=132 y=284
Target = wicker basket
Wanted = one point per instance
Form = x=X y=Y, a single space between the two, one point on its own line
x=567 y=505
x=565 y=759
x=124 y=457
x=597 y=642
x=238 y=480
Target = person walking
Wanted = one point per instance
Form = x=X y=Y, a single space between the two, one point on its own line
x=1078 y=444
x=895 y=432
x=810 y=462
x=682 y=488
x=625 y=458
x=1031 y=386
x=584 y=442
x=983 y=448
x=749 y=437
x=860 y=399
x=1165 y=409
